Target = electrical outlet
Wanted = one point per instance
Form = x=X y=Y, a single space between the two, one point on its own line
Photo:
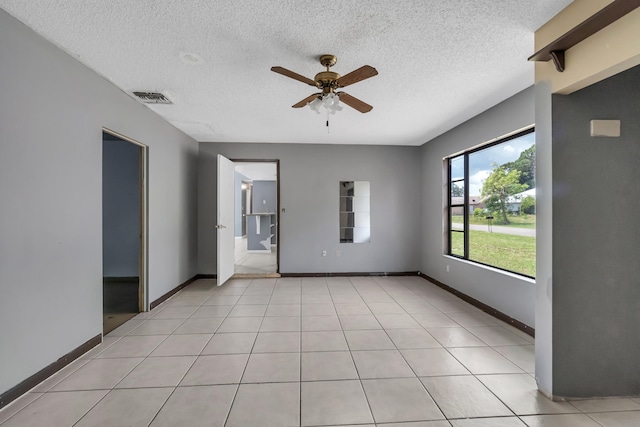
x=324 y=253
x=337 y=253
x=447 y=268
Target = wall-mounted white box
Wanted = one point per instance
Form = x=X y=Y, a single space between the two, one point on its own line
x=609 y=128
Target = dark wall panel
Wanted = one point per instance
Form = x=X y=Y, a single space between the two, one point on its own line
x=596 y=241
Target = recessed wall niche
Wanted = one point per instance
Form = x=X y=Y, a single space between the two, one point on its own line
x=355 y=216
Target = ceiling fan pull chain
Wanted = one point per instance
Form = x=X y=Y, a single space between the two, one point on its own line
x=328 y=121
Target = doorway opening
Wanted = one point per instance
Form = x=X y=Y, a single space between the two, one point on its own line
x=124 y=229
x=256 y=228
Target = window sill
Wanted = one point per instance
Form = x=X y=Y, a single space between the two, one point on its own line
x=492 y=269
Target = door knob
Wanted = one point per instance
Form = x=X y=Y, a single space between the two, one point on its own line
x=220 y=226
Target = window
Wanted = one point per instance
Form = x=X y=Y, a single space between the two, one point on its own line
x=491 y=204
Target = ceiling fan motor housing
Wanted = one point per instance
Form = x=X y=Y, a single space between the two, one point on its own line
x=326 y=80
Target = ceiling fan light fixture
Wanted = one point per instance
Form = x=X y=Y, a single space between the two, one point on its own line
x=330 y=102
x=315 y=105
x=335 y=104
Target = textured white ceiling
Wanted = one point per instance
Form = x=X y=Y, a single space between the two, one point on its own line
x=439 y=62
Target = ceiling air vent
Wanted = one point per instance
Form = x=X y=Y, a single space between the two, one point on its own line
x=152 y=98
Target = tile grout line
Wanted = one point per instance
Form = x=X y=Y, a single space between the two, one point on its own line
x=300 y=362
x=356 y=367
x=91 y=408
x=145 y=358
x=235 y=395
x=414 y=373
x=447 y=349
x=197 y=356
x=462 y=364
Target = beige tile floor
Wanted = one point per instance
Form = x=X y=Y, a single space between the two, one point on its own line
x=392 y=352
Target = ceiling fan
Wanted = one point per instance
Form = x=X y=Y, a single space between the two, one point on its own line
x=328 y=81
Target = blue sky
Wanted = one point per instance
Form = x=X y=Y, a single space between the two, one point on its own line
x=481 y=162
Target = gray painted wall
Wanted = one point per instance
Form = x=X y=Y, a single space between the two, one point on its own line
x=254 y=238
x=309 y=177
x=264 y=196
x=596 y=241
x=265 y=199
x=120 y=208
x=52 y=111
x=509 y=293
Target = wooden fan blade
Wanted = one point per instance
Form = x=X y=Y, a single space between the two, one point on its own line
x=305 y=101
x=355 y=103
x=356 y=76
x=293 y=75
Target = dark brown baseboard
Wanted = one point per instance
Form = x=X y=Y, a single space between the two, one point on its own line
x=482 y=306
x=364 y=274
x=173 y=291
x=206 y=276
x=35 y=379
x=120 y=279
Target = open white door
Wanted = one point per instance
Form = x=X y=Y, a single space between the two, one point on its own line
x=226 y=239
